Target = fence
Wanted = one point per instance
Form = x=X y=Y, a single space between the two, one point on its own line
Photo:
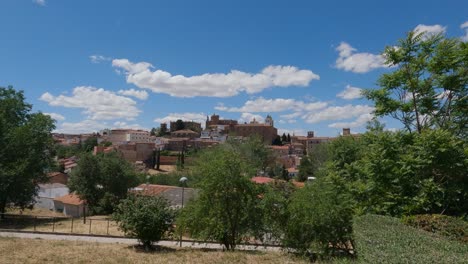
x=92 y=226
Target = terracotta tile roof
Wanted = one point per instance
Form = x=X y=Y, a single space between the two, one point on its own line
x=298 y=184
x=262 y=180
x=152 y=189
x=71 y=198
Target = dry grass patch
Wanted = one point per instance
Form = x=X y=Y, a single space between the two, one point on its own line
x=16 y=250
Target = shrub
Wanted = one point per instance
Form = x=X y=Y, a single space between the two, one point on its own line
x=452 y=227
x=320 y=220
x=144 y=217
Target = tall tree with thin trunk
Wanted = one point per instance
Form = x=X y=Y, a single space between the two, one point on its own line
x=25 y=147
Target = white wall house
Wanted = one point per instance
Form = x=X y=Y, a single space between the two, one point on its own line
x=48 y=192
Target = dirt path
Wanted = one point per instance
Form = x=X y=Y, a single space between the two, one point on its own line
x=129 y=241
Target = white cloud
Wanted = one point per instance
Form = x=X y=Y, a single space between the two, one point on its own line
x=99 y=58
x=142 y=95
x=349 y=60
x=196 y=117
x=99 y=104
x=464 y=26
x=40 y=2
x=293 y=115
x=337 y=113
x=350 y=93
x=85 y=126
x=124 y=125
x=247 y=117
x=213 y=84
x=55 y=116
x=273 y=105
x=359 y=122
x=429 y=30
x=295 y=132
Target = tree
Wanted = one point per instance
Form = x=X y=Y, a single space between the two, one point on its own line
x=428 y=87
x=284 y=138
x=289 y=138
x=144 y=217
x=320 y=219
x=226 y=209
x=277 y=141
x=25 y=147
x=102 y=180
x=90 y=143
x=179 y=125
x=153 y=131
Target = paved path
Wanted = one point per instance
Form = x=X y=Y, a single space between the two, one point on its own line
x=129 y=241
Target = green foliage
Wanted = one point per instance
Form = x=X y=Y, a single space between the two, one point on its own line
x=402 y=173
x=274 y=204
x=68 y=151
x=383 y=239
x=89 y=144
x=25 y=149
x=320 y=219
x=226 y=207
x=448 y=226
x=313 y=162
x=179 y=125
x=144 y=217
x=102 y=180
x=277 y=141
x=254 y=152
x=428 y=87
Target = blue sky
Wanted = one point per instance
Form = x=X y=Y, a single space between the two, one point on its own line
x=109 y=64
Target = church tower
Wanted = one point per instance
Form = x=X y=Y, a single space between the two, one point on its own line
x=269 y=120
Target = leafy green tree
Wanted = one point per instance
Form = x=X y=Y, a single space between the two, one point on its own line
x=89 y=144
x=305 y=169
x=277 y=141
x=102 y=180
x=25 y=147
x=284 y=138
x=226 y=209
x=144 y=217
x=179 y=125
x=428 y=87
x=153 y=131
x=320 y=219
x=254 y=152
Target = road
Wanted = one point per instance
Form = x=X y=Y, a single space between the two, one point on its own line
x=130 y=241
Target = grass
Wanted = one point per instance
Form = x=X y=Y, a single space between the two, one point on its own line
x=381 y=239
x=45 y=223
x=15 y=250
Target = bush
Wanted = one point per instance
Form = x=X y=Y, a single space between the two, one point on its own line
x=144 y=217
x=320 y=220
x=452 y=227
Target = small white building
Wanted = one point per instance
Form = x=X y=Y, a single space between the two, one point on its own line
x=48 y=192
x=70 y=205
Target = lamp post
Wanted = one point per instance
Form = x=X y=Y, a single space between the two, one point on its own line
x=183 y=181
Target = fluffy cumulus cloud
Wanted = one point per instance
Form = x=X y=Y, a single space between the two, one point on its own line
x=273 y=105
x=123 y=124
x=350 y=93
x=142 y=94
x=57 y=117
x=40 y=2
x=143 y=75
x=98 y=104
x=359 y=122
x=350 y=60
x=429 y=30
x=248 y=117
x=98 y=58
x=85 y=126
x=337 y=113
x=464 y=27
x=196 y=117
